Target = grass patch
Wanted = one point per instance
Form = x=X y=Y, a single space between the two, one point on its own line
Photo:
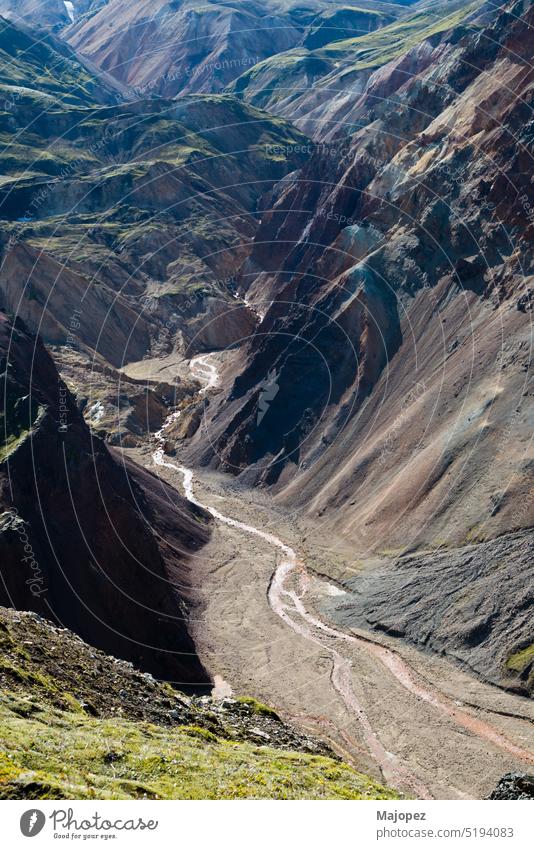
x=521 y=660
x=258 y=707
x=11 y=444
x=58 y=754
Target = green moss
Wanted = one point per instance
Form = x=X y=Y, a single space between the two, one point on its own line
x=26 y=676
x=200 y=733
x=258 y=707
x=8 y=770
x=11 y=444
x=383 y=45
x=58 y=754
x=44 y=67
x=475 y=534
x=17 y=417
x=272 y=79
x=521 y=660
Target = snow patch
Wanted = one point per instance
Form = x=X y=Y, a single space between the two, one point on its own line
x=96 y=412
x=69 y=6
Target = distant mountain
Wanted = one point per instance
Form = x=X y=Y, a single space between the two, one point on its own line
x=53 y=14
x=168 y=48
x=322 y=83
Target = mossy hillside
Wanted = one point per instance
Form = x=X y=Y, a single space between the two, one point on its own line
x=88 y=146
x=76 y=723
x=44 y=65
x=18 y=414
x=278 y=76
x=342 y=22
x=383 y=45
x=60 y=755
x=9 y=445
x=97 y=243
x=522 y=662
x=22 y=157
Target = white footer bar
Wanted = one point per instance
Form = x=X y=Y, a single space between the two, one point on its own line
x=264 y=825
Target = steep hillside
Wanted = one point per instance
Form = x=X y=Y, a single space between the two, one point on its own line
x=100 y=546
x=143 y=212
x=398 y=269
x=38 y=69
x=323 y=84
x=75 y=723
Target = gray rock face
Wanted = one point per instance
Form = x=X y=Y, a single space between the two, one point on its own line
x=515 y=785
x=473 y=604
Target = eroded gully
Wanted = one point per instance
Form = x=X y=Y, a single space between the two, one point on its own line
x=286 y=595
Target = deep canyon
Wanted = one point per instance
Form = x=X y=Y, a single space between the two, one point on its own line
x=266 y=293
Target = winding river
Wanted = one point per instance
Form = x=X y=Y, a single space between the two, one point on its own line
x=288 y=604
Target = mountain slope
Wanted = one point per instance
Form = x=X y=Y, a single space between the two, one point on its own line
x=144 y=211
x=97 y=544
x=129 y=737
x=167 y=48
x=323 y=86
x=399 y=417
x=35 y=66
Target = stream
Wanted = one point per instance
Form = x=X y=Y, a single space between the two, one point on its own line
x=288 y=605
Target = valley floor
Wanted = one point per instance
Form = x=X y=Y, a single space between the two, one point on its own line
x=413 y=720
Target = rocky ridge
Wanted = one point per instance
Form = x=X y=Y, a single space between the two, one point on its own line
x=164 y=49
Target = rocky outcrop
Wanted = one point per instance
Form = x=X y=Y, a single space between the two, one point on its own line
x=123 y=410
x=88 y=539
x=472 y=604
x=514 y=786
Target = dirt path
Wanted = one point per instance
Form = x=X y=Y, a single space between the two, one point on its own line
x=286 y=592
